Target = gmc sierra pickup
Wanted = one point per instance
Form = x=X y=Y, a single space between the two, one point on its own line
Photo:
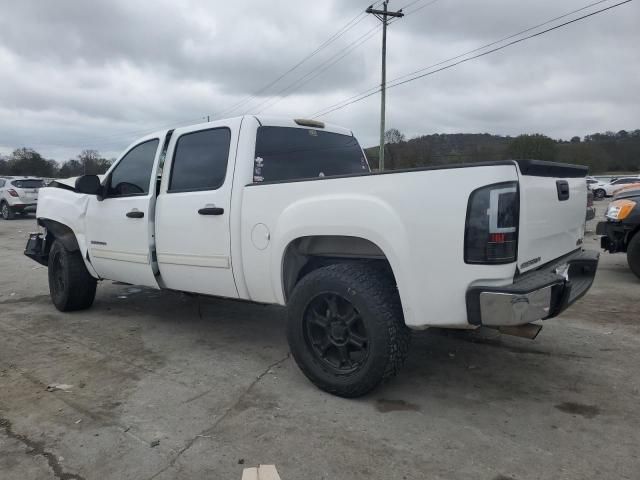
x=287 y=212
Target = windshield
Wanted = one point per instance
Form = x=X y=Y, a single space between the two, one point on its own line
x=286 y=153
x=31 y=183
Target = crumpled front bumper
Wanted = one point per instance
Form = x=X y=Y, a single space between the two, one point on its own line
x=537 y=295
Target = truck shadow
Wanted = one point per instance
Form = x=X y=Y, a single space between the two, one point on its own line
x=442 y=363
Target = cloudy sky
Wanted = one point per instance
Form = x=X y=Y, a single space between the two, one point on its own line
x=98 y=74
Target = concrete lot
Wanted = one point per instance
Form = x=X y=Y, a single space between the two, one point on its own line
x=169 y=386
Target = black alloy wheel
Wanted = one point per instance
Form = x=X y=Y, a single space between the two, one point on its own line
x=335 y=333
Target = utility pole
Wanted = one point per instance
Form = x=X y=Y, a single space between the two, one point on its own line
x=382 y=16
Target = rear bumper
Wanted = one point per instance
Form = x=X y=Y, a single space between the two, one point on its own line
x=24 y=207
x=538 y=295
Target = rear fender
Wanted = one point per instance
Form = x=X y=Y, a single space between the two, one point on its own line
x=361 y=216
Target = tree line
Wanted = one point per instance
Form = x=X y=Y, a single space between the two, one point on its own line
x=601 y=152
x=28 y=162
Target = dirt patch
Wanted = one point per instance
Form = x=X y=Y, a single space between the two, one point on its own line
x=34 y=299
x=385 y=406
x=586 y=411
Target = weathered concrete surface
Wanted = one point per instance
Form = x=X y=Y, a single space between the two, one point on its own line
x=211 y=380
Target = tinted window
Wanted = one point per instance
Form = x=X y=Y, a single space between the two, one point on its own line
x=28 y=183
x=200 y=160
x=284 y=153
x=132 y=174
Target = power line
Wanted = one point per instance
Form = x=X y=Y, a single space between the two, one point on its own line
x=287 y=91
x=348 y=26
x=528 y=37
x=383 y=16
x=395 y=82
x=339 y=33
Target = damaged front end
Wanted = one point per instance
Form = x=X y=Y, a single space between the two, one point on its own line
x=36 y=248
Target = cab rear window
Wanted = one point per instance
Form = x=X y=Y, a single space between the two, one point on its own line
x=286 y=153
x=28 y=183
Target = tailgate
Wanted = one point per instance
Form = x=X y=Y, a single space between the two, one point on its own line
x=553 y=202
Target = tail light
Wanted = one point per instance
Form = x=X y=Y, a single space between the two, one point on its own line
x=491 y=232
x=12 y=192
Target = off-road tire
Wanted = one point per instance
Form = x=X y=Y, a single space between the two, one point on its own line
x=7 y=211
x=633 y=254
x=70 y=284
x=374 y=296
x=599 y=193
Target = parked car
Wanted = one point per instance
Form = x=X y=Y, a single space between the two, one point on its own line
x=621 y=229
x=630 y=186
x=591 y=181
x=19 y=195
x=602 y=190
x=287 y=212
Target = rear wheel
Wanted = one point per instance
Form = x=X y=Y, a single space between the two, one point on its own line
x=70 y=284
x=7 y=211
x=346 y=330
x=633 y=254
x=599 y=193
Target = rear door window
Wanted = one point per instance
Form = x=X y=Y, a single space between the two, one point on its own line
x=286 y=153
x=200 y=160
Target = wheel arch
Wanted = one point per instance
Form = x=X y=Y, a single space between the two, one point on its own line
x=305 y=254
x=69 y=239
x=59 y=231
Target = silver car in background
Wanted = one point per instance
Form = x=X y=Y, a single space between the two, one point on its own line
x=19 y=195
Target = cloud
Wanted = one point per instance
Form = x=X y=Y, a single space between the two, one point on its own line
x=98 y=74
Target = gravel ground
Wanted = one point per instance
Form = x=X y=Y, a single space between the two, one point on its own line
x=170 y=386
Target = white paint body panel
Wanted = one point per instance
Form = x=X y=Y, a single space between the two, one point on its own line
x=549 y=228
x=412 y=217
x=416 y=218
x=194 y=251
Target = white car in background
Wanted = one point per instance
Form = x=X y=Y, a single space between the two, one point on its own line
x=19 y=195
x=601 y=189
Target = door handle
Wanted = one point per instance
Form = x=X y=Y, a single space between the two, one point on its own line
x=211 y=211
x=135 y=214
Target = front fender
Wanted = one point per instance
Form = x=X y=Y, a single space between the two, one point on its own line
x=68 y=209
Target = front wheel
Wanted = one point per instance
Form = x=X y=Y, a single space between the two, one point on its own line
x=7 y=211
x=346 y=330
x=599 y=193
x=633 y=254
x=70 y=284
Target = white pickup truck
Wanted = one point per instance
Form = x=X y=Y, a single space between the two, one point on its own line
x=287 y=212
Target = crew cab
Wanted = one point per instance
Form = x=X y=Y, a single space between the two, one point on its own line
x=287 y=212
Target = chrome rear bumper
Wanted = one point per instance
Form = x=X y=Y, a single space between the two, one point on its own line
x=538 y=295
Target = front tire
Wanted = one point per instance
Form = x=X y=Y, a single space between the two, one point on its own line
x=346 y=330
x=7 y=211
x=599 y=193
x=70 y=284
x=633 y=254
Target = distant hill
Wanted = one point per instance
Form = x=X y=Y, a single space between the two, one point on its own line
x=601 y=152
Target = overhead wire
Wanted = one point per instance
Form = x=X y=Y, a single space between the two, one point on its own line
x=347 y=50
x=398 y=80
x=339 y=33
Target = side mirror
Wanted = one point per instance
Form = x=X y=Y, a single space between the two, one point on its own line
x=89 y=184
